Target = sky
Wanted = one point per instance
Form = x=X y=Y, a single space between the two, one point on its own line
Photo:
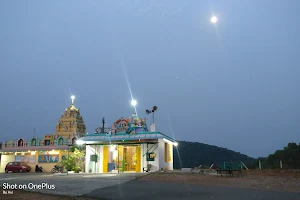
x=233 y=84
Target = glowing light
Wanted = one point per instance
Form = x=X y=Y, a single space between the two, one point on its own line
x=53 y=152
x=112 y=148
x=214 y=19
x=72 y=98
x=80 y=142
x=115 y=155
x=175 y=144
x=133 y=102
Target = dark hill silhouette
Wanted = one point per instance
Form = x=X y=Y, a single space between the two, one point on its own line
x=289 y=155
x=194 y=154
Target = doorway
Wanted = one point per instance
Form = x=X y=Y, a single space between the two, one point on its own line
x=128 y=158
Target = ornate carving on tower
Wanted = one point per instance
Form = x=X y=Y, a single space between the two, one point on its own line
x=70 y=123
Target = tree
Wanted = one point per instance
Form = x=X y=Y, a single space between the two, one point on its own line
x=289 y=155
x=74 y=162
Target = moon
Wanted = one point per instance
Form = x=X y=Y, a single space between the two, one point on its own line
x=214 y=19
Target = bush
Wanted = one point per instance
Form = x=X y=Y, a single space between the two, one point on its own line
x=74 y=161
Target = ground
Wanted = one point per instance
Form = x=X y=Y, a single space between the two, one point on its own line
x=287 y=180
x=270 y=184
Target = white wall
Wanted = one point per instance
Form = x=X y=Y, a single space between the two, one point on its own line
x=161 y=145
x=96 y=167
x=100 y=160
x=162 y=164
x=155 y=163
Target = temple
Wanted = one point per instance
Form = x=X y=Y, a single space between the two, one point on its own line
x=128 y=147
x=50 y=149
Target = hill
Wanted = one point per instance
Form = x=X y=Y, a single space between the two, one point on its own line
x=289 y=155
x=194 y=154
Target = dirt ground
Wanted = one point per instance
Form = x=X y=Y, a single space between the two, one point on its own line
x=288 y=180
x=252 y=179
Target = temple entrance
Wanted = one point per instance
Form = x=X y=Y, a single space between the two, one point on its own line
x=128 y=158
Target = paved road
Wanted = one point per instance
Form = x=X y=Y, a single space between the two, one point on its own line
x=123 y=186
x=72 y=185
x=138 y=189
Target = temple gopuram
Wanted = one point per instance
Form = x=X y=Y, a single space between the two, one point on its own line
x=50 y=149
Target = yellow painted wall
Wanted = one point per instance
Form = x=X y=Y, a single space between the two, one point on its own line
x=138 y=159
x=47 y=167
x=105 y=159
x=170 y=149
x=4 y=160
x=168 y=152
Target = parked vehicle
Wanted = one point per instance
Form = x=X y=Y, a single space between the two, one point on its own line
x=38 y=168
x=17 y=167
x=57 y=168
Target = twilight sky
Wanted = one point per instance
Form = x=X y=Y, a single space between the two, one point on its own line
x=238 y=81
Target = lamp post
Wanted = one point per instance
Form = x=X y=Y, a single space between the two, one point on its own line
x=133 y=103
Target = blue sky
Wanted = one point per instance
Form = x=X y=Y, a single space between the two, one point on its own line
x=238 y=80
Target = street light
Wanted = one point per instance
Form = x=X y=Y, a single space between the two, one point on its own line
x=133 y=102
x=80 y=142
x=214 y=19
x=72 y=98
x=112 y=148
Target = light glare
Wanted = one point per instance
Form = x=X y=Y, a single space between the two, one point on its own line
x=112 y=148
x=213 y=19
x=133 y=102
x=80 y=142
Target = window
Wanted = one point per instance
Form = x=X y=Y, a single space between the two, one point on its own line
x=20 y=143
x=33 y=142
x=60 y=141
x=74 y=140
x=47 y=142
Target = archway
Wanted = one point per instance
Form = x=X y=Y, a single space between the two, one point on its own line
x=20 y=143
x=74 y=140
x=33 y=142
x=60 y=141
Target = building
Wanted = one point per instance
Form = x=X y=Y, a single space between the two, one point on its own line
x=47 y=151
x=128 y=147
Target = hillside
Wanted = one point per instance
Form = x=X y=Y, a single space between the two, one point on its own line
x=194 y=154
x=289 y=155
